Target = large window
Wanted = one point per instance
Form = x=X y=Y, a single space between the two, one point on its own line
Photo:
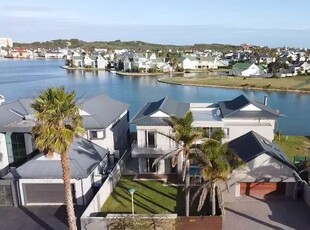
x=18 y=146
x=150 y=139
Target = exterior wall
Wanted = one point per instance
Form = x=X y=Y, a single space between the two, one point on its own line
x=4 y=160
x=162 y=141
x=252 y=70
x=116 y=135
x=263 y=168
x=188 y=64
x=238 y=128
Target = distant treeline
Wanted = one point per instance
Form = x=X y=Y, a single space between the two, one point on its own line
x=118 y=44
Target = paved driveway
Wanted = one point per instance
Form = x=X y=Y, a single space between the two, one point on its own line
x=35 y=217
x=274 y=213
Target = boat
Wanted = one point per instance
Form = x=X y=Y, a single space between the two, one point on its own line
x=112 y=70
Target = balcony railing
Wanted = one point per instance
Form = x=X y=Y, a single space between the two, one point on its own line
x=138 y=151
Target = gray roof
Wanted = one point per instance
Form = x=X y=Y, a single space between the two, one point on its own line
x=165 y=105
x=251 y=145
x=232 y=109
x=17 y=116
x=84 y=158
x=103 y=111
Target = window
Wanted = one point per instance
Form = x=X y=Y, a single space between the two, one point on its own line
x=18 y=146
x=150 y=139
x=96 y=134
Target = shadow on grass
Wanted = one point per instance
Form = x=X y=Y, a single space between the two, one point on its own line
x=205 y=211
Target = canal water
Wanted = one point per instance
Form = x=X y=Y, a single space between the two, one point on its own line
x=27 y=78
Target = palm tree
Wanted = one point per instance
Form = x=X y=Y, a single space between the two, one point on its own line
x=216 y=165
x=186 y=137
x=58 y=122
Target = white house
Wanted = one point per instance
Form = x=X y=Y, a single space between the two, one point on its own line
x=236 y=118
x=107 y=131
x=246 y=70
x=189 y=62
x=208 y=63
x=40 y=179
x=266 y=170
x=300 y=68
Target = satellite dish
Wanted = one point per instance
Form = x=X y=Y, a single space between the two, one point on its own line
x=218 y=112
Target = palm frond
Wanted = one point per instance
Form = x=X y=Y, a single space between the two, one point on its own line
x=175 y=152
x=203 y=196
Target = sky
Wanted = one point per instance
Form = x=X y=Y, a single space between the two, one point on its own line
x=262 y=22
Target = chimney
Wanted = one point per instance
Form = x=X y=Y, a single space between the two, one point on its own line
x=265 y=100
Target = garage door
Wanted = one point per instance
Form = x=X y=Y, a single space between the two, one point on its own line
x=262 y=189
x=44 y=193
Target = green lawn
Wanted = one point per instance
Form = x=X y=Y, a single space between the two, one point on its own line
x=293 y=83
x=151 y=197
x=294 y=145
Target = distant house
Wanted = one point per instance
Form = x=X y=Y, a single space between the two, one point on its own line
x=266 y=170
x=223 y=62
x=246 y=70
x=189 y=62
x=300 y=68
x=265 y=59
x=208 y=63
x=100 y=62
x=53 y=55
x=77 y=61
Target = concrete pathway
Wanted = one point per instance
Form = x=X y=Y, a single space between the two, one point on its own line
x=274 y=213
x=35 y=217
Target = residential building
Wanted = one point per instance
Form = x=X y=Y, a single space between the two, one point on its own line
x=235 y=117
x=208 y=63
x=105 y=141
x=266 y=170
x=40 y=179
x=247 y=70
x=189 y=62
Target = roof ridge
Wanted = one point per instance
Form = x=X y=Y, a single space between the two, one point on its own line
x=242 y=95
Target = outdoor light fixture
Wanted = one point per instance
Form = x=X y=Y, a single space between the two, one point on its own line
x=132 y=191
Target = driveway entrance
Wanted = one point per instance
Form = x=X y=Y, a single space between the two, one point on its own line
x=277 y=212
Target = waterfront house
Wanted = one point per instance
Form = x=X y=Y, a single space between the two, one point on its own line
x=208 y=63
x=235 y=117
x=300 y=68
x=40 y=179
x=53 y=55
x=107 y=130
x=189 y=62
x=100 y=62
x=266 y=170
x=247 y=70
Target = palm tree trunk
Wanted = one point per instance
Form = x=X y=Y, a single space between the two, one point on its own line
x=212 y=196
x=187 y=191
x=68 y=191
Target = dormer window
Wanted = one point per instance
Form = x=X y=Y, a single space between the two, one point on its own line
x=96 y=134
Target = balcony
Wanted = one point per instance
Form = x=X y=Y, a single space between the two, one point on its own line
x=146 y=152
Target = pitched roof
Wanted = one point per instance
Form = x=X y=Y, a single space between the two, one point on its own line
x=17 y=116
x=241 y=66
x=165 y=105
x=251 y=145
x=233 y=109
x=84 y=157
x=102 y=110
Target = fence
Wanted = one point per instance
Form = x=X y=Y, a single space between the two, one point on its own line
x=90 y=216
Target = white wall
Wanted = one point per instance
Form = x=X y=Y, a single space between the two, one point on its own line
x=4 y=160
x=106 y=189
x=263 y=168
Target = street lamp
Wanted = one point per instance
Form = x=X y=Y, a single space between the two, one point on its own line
x=132 y=191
